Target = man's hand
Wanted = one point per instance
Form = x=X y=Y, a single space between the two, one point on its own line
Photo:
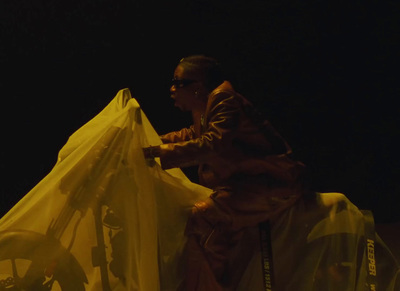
x=150 y=153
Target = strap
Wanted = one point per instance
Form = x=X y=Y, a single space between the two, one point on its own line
x=370 y=239
x=266 y=255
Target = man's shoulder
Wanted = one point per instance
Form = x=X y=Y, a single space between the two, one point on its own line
x=223 y=93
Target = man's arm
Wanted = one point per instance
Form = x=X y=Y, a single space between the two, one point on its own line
x=184 y=134
x=222 y=121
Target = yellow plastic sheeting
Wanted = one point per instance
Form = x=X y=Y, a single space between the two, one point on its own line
x=324 y=243
x=104 y=219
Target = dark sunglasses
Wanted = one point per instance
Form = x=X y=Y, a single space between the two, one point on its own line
x=180 y=83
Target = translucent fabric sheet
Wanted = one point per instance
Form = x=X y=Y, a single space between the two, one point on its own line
x=102 y=219
x=323 y=243
x=105 y=219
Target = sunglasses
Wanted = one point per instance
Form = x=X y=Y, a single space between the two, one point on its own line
x=180 y=83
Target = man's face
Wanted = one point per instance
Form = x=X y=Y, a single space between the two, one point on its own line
x=183 y=90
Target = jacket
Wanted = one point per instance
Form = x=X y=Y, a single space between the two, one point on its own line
x=233 y=142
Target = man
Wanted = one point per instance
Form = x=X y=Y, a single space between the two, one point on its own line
x=240 y=156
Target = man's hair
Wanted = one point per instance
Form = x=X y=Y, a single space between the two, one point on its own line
x=208 y=69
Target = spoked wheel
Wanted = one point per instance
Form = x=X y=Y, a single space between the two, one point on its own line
x=32 y=262
x=19 y=276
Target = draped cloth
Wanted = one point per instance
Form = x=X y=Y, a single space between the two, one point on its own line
x=101 y=172
x=324 y=243
x=104 y=218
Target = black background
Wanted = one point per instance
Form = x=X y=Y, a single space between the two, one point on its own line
x=323 y=72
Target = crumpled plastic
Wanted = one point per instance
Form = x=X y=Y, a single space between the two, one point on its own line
x=105 y=218
x=323 y=243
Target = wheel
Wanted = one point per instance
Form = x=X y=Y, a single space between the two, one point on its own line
x=33 y=262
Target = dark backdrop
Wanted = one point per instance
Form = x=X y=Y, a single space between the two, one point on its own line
x=323 y=72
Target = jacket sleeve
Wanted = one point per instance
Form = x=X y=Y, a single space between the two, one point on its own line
x=223 y=115
x=184 y=134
